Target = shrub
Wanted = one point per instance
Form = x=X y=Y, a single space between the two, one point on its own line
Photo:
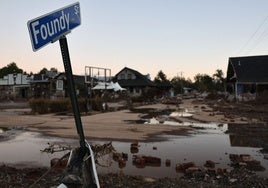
x=59 y=105
x=96 y=103
x=40 y=105
x=138 y=99
x=43 y=106
x=82 y=103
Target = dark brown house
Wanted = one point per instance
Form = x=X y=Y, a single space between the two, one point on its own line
x=247 y=77
x=138 y=84
x=59 y=88
x=133 y=81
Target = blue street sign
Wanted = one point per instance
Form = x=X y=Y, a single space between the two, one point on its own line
x=50 y=27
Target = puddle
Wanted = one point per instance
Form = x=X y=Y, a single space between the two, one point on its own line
x=208 y=126
x=209 y=144
x=147 y=113
x=24 y=149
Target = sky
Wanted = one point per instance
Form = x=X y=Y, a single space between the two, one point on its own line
x=175 y=36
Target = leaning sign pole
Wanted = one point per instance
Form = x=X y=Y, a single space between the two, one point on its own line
x=50 y=28
x=72 y=92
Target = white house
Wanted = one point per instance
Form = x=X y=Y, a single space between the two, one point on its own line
x=14 y=85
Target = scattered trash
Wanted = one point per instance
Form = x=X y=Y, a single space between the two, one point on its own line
x=58 y=164
x=181 y=167
x=101 y=150
x=52 y=148
x=143 y=160
x=210 y=164
x=247 y=161
x=168 y=163
x=134 y=147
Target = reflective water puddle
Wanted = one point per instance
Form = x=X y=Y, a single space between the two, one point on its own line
x=208 y=142
x=24 y=149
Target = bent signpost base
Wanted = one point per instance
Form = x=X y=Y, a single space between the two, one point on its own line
x=82 y=164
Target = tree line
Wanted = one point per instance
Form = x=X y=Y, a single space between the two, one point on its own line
x=202 y=82
x=12 y=68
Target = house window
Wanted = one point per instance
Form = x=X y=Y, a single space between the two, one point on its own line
x=122 y=76
x=131 y=89
x=60 y=85
x=137 y=90
x=129 y=76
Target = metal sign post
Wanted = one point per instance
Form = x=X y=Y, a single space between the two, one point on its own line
x=71 y=88
x=50 y=28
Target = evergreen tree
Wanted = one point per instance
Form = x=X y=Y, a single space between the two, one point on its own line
x=11 y=68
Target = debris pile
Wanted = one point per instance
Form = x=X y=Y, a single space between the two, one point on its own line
x=52 y=148
x=121 y=158
x=101 y=150
x=134 y=147
x=171 y=100
x=140 y=161
x=247 y=161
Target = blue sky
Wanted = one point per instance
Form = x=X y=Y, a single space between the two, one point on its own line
x=146 y=35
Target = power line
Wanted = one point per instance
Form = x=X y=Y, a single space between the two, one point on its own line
x=253 y=35
x=259 y=40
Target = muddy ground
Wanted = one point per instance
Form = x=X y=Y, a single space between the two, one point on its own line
x=30 y=177
x=243 y=116
x=250 y=112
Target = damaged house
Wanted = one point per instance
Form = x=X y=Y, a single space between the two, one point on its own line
x=133 y=81
x=15 y=85
x=247 y=77
x=138 y=84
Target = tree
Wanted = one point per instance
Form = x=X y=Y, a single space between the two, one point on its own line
x=219 y=80
x=53 y=69
x=11 y=68
x=160 y=77
x=179 y=82
x=203 y=82
x=43 y=71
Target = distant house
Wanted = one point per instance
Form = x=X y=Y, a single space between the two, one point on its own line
x=59 y=88
x=40 y=86
x=15 y=85
x=247 y=77
x=133 y=81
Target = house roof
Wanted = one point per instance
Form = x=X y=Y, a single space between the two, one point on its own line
x=39 y=78
x=77 y=78
x=140 y=80
x=250 y=69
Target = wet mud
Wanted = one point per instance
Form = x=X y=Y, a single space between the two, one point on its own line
x=209 y=155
